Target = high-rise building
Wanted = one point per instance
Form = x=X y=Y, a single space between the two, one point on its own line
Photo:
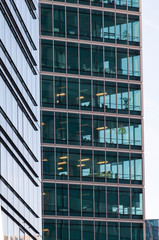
x=152 y=229
x=20 y=172
x=92 y=120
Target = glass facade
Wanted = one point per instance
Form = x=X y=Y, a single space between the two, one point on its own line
x=152 y=229
x=92 y=120
x=20 y=165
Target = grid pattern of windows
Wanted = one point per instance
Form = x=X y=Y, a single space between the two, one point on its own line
x=91 y=114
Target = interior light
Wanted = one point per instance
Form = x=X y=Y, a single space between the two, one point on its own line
x=46 y=230
x=102 y=162
x=60 y=94
x=61 y=163
x=101 y=94
x=82 y=97
x=42 y=123
x=82 y=165
x=84 y=160
x=45 y=160
x=101 y=128
x=57 y=101
x=64 y=157
x=60 y=168
x=44 y=193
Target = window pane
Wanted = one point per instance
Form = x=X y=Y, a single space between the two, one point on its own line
x=61 y=163
x=62 y=230
x=134 y=64
x=111 y=167
x=59 y=21
x=97 y=60
x=134 y=30
x=123 y=98
x=100 y=202
x=99 y=166
x=61 y=128
x=124 y=168
x=73 y=129
x=46 y=55
x=87 y=201
x=111 y=132
x=137 y=206
x=85 y=2
x=75 y=200
x=113 y=231
x=109 y=64
x=121 y=4
x=46 y=19
x=74 y=161
x=136 y=168
x=88 y=230
x=48 y=127
x=124 y=202
x=49 y=229
x=133 y=5
x=85 y=95
x=60 y=92
x=71 y=1
x=72 y=23
x=110 y=97
x=97 y=26
x=72 y=58
x=125 y=231
x=112 y=203
x=123 y=133
x=75 y=230
x=62 y=199
x=100 y=230
x=86 y=130
x=135 y=99
x=47 y=91
x=59 y=57
x=86 y=165
x=109 y=3
x=121 y=28
x=48 y=163
x=135 y=134
x=137 y=231
x=99 y=129
x=85 y=59
x=84 y=24
x=109 y=27
x=96 y=3
x=122 y=63
x=49 y=199
x=98 y=96
x=73 y=93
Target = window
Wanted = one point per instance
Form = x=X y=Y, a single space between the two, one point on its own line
x=84 y=24
x=62 y=230
x=87 y=201
x=86 y=165
x=73 y=129
x=135 y=99
x=135 y=134
x=123 y=98
x=110 y=97
x=136 y=168
x=123 y=132
x=60 y=92
x=99 y=166
x=59 y=21
x=111 y=132
x=99 y=130
x=122 y=66
x=75 y=230
x=109 y=63
x=134 y=64
x=98 y=96
x=61 y=163
x=109 y=27
x=74 y=164
x=49 y=198
x=73 y=93
x=48 y=127
x=97 y=26
x=85 y=95
x=46 y=19
x=59 y=57
x=124 y=202
x=111 y=167
x=61 y=128
x=62 y=199
x=85 y=59
x=137 y=203
x=46 y=55
x=124 y=168
x=125 y=231
x=97 y=61
x=72 y=23
x=75 y=200
x=121 y=28
x=88 y=230
x=72 y=58
x=112 y=204
x=100 y=204
x=134 y=30
x=47 y=91
x=49 y=229
x=86 y=130
x=48 y=163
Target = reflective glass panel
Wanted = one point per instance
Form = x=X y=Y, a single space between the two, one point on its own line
x=73 y=129
x=136 y=168
x=100 y=201
x=48 y=163
x=125 y=231
x=133 y=5
x=49 y=198
x=137 y=203
x=124 y=202
x=100 y=230
x=112 y=203
x=124 y=168
x=59 y=57
x=121 y=4
x=123 y=98
x=99 y=129
x=61 y=163
x=86 y=130
x=97 y=26
x=135 y=134
x=85 y=95
x=109 y=27
x=99 y=166
x=86 y=165
x=87 y=201
x=75 y=230
x=61 y=128
x=84 y=24
x=72 y=23
x=135 y=99
x=121 y=28
x=134 y=64
x=109 y=63
x=46 y=19
x=73 y=93
x=47 y=91
x=111 y=132
x=62 y=199
x=88 y=230
x=97 y=61
x=48 y=127
x=59 y=21
x=111 y=167
x=60 y=92
x=110 y=97
x=96 y=3
x=123 y=132
x=137 y=231
x=46 y=55
x=122 y=63
x=72 y=58
x=85 y=59
x=74 y=200
x=49 y=229
x=74 y=161
x=98 y=96
x=62 y=230
x=134 y=30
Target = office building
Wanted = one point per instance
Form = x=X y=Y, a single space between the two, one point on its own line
x=152 y=229
x=20 y=170
x=92 y=120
